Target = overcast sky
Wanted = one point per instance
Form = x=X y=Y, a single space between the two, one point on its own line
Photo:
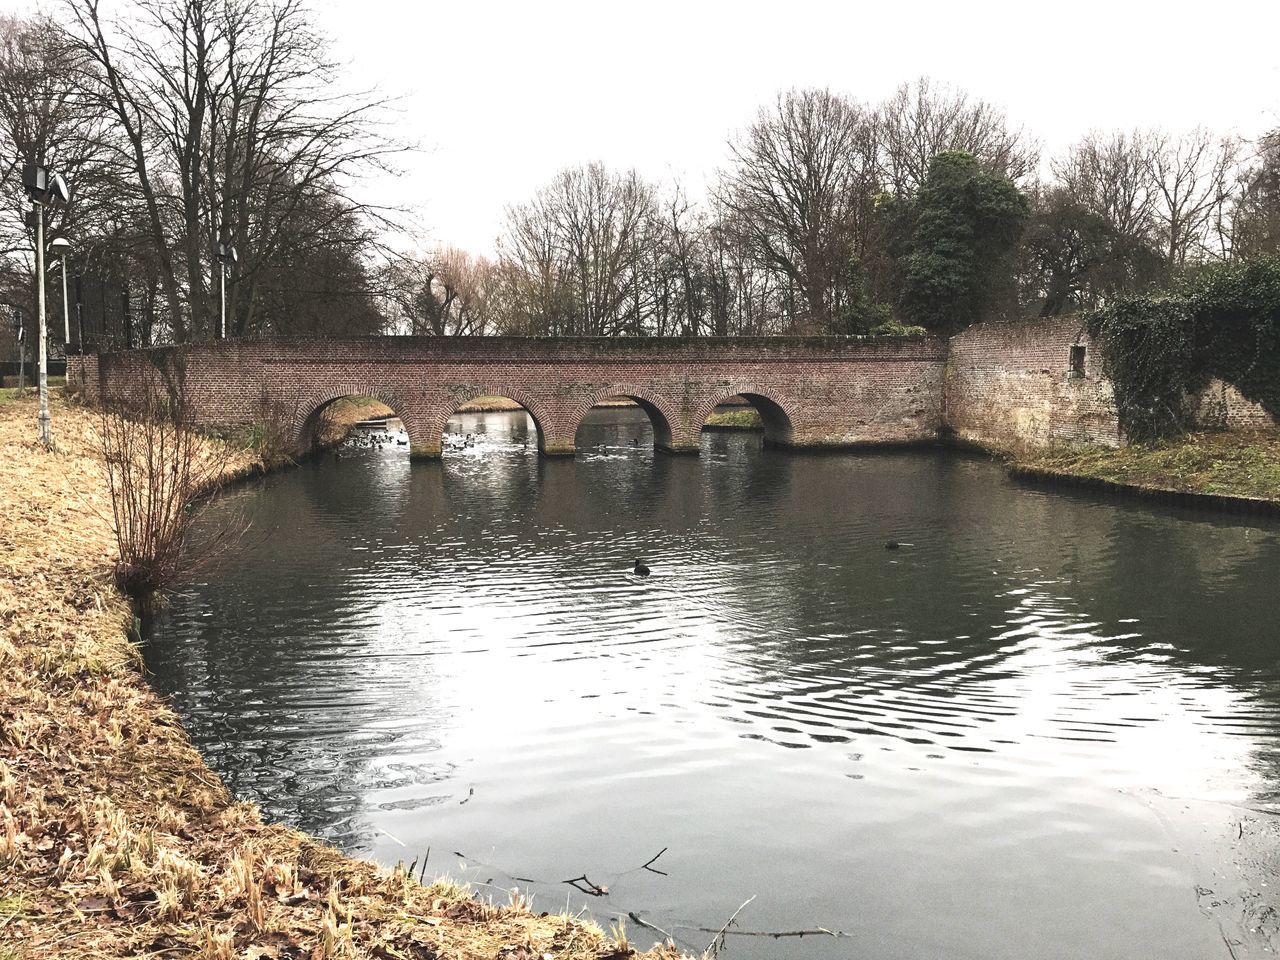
x=502 y=95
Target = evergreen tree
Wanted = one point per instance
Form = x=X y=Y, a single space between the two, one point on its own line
x=967 y=224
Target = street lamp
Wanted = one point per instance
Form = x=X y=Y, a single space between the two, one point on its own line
x=62 y=246
x=43 y=187
x=227 y=256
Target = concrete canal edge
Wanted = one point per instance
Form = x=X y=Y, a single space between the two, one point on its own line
x=1048 y=477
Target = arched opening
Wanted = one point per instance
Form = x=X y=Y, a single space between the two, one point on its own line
x=353 y=422
x=621 y=421
x=751 y=411
x=491 y=424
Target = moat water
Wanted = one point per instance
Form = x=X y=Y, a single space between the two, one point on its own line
x=1047 y=726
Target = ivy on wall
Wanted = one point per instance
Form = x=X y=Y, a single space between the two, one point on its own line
x=1160 y=351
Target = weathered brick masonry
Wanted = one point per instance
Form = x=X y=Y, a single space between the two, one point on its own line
x=1010 y=385
x=810 y=392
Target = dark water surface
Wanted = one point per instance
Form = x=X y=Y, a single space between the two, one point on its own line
x=1046 y=728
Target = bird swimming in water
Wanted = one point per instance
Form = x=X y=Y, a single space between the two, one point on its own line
x=894 y=545
x=640 y=570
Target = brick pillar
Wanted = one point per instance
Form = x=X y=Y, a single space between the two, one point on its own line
x=83 y=376
x=555 y=446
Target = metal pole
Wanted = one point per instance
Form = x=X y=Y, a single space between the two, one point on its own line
x=66 y=309
x=80 y=314
x=222 y=297
x=42 y=418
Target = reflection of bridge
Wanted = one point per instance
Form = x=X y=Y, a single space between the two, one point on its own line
x=809 y=392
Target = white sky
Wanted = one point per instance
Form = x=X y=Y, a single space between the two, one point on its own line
x=502 y=95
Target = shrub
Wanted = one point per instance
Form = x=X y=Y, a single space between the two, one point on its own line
x=156 y=465
x=1158 y=351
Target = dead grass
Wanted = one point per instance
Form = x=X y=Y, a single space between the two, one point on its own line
x=748 y=419
x=1225 y=464
x=341 y=415
x=115 y=838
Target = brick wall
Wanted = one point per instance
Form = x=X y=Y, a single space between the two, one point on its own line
x=811 y=392
x=1005 y=385
x=82 y=376
x=1221 y=407
x=1010 y=385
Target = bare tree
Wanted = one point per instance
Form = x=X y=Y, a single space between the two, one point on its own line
x=576 y=252
x=1113 y=176
x=445 y=293
x=801 y=176
x=1194 y=176
x=1107 y=192
x=229 y=123
x=924 y=119
x=1255 y=221
x=156 y=464
x=46 y=123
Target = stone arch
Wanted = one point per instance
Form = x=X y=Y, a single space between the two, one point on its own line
x=307 y=410
x=776 y=420
x=665 y=420
x=548 y=442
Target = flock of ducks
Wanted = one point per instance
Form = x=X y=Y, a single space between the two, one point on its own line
x=369 y=441
x=459 y=441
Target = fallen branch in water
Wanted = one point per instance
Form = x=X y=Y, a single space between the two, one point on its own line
x=717 y=942
x=592 y=889
x=775 y=934
x=649 y=864
x=635 y=918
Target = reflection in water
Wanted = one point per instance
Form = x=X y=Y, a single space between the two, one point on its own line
x=958 y=748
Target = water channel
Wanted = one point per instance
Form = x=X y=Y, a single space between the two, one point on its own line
x=1047 y=726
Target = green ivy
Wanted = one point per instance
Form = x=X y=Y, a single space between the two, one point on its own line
x=1160 y=351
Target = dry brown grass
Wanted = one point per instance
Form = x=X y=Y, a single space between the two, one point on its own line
x=1236 y=464
x=339 y=417
x=115 y=838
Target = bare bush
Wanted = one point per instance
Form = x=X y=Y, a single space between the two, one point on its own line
x=271 y=435
x=156 y=466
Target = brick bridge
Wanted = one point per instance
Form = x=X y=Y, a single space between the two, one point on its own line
x=810 y=392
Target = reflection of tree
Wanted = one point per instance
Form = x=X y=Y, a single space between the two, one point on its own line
x=771 y=565
x=271 y=664
x=616 y=427
x=844 y=638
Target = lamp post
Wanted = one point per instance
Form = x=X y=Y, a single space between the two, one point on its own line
x=226 y=256
x=62 y=246
x=43 y=187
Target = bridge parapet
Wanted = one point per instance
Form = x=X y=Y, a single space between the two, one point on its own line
x=811 y=392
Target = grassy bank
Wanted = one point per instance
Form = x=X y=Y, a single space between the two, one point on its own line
x=1242 y=465
x=116 y=839
x=341 y=415
x=745 y=419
